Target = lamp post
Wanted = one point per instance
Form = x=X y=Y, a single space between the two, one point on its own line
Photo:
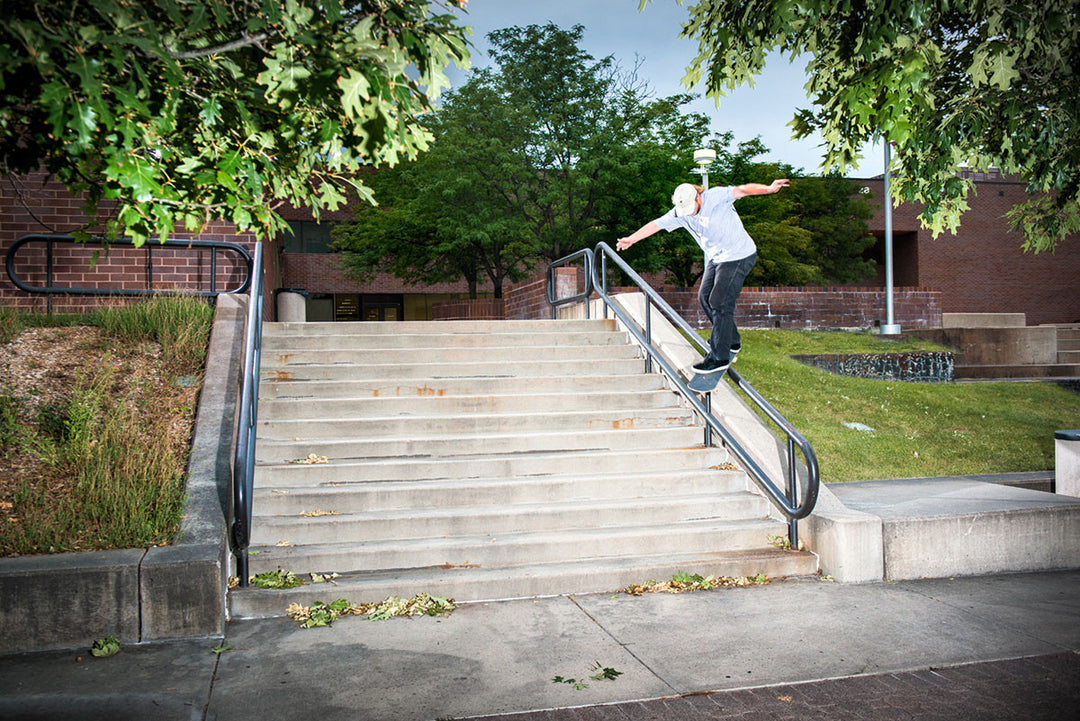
x=889 y=328
x=704 y=157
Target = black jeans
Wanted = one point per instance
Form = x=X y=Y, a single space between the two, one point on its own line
x=721 y=284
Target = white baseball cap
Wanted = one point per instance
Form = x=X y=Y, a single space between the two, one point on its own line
x=685 y=199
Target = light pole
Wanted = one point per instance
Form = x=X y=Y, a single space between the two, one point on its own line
x=890 y=328
x=704 y=158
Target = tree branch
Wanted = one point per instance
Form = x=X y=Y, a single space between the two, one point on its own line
x=242 y=42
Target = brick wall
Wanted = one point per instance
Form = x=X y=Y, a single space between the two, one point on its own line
x=983 y=269
x=818 y=308
x=31 y=205
x=323 y=273
x=476 y=309
x=528 y=300
x=807 y=307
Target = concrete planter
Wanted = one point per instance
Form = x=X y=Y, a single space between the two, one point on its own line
x=144 y=594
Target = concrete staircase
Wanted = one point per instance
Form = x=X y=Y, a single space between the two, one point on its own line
x=1047 y=352
x=482 y=460
x=1068 y=345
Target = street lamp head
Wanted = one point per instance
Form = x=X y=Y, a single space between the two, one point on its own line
x=705 y=156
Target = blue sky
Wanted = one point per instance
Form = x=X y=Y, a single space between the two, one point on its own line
x=617 y=28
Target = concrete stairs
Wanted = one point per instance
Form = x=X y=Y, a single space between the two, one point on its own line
x=483 y=460
x=1068 y=345
x=1066 y=367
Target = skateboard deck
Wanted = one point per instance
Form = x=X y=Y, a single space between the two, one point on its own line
x=703 y=382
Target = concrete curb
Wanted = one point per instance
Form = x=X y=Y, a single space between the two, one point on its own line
x=137 y=595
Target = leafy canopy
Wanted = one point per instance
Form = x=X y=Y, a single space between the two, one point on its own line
x=981 y=83
x=183 y=111
x=546 y=152
x=551 y=150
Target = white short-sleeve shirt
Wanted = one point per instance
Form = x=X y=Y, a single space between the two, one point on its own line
x=716 y=226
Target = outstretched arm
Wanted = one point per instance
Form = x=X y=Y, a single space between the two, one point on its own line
x=640 y=234
x=741 y=191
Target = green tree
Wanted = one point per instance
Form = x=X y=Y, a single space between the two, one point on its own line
x=449 y=215
x=547 y=152
x=183 y=111
x=986 y=83
x=834 y=211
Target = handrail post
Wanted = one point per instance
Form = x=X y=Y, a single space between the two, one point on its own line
x=48 y=274
x=149 y=267
x=603 y=281
x=648 y=334
x=213 y=270
x=793 y=493
x=708 y=428
x=588 y=283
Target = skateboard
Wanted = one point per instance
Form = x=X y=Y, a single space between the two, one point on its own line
x=705 y=382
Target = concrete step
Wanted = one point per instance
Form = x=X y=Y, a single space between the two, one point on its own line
x=485 y=327
x=1068 y=344
x=521 y=581
x=398 y=495
x=519 y=548
x=507 y=465
x=472 y=447
x=1068 y=357
x=443 y=521
x=272 y=409
x=983 y=372
x=419 y=427
x=485 y=460
x=445 y=355
x=478 y=342
x=440 y=371
x=306 y=390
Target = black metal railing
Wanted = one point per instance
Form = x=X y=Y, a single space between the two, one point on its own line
x=786 y=501
x=586 y=256
x=50 y=288
x=244 y=460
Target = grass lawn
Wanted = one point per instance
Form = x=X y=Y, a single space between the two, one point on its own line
x=920 y=429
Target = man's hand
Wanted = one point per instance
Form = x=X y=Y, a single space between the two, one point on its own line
x=775 y=186
x=623 y=244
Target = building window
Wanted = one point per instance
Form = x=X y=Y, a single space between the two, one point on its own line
x=308 y=237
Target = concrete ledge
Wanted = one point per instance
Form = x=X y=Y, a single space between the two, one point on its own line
x=941 y=527
x=1035 y=345
x=1067 y=462
x=848 y=542
x=976 y=544
x=70 y=599
x=983 y=320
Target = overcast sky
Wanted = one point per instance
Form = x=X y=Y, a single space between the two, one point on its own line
x=651 y=36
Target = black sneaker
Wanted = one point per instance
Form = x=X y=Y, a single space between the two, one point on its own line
x=710 y=365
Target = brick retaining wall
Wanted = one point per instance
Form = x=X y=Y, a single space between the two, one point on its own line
x=806 y=307
x=476 y=309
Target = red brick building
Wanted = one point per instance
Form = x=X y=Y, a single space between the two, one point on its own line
x=982 y=269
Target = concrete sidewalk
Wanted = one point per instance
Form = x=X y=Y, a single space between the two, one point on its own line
x=977 y=647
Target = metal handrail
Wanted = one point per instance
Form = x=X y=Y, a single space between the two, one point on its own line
x=787 y=501
x=244 y=460
x=554 y=302
x=49 y=288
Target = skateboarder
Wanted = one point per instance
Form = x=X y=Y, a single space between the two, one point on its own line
x=730 y=253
